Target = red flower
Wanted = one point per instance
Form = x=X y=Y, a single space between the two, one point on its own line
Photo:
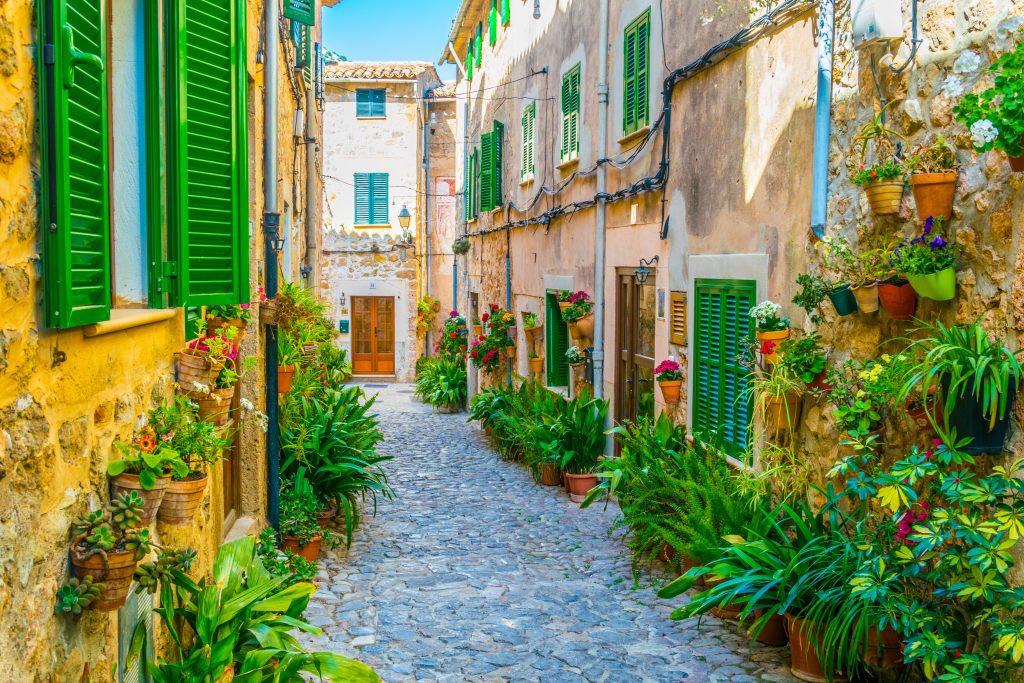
x=494 y=307
x=482 y=337
x=485 y=317
x=862 y=167
x=454 y=335
x=474 y=354
x=874 y=173
x=768 y=348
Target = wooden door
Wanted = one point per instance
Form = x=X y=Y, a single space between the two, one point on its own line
x=636 y=315
x=373 y=335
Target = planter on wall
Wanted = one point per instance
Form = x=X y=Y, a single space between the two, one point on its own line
x=151 y=498
x=933 y=194
x=898 y=300
x=939 y=286
x=782 y=416
x=216 y=406
x=115 y=570
x=1017 y=163
x=867 y=298
x=285 y=375
x=844 y=301
x=586 y=326
x=776 y=336
x=884 y=196
x=670 y=391
x=194 y=370
x=967 y=418
x=537 y=366
x=181 y=500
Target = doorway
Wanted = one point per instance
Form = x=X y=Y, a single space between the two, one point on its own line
x=635 y=318
x=373 y=335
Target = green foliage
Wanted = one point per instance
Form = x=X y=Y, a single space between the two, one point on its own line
x=863 y=390
x=299 y=509
x=442 y=382
x=512 y=415
x=230 y=311
x=1001 y=106
x=289 y=351
x=112 y=529
x=814 y=290
x=178 y=426
x=938 y=157
x=169 y=561
x=334 y=359
x=453 y=338
x=578 y=431
x=890 y=169
x=76 y=595
x=803 y=357
x=149 y=465
x=283 y=563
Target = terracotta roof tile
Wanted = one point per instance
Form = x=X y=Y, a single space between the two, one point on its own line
x=446 y=90
x=376 y=70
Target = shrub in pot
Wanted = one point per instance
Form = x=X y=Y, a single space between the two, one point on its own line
x=442 y=383
x=898 y=298
x=805 y=359
x=929 y=263
x=861 y=393
x=669 y=375
x=564 y=297
x=453 y=337
x=772 y=328
x=237 y=316
x=145 y=467
x=882 y=179
x=932 y=170
x=202 y=359
x=531 y=324
x=300 y=530
x=579 y=433
x=580 y=316
x=995 y=116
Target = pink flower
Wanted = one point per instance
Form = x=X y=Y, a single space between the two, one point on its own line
x=245 y=307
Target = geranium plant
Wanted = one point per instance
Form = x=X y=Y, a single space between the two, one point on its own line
x=803 y=358
x=148 y=458
x=889 y=169
x=995 y=116
x=581 y=306
x=668 y=371
x=177 y=426
x=241 y=312
x=768 y=317
x=453 y=337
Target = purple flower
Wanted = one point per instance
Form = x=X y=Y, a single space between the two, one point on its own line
x=928 y=225
x=938 y=243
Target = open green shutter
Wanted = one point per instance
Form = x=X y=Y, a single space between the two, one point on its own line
x=379 y=198
x=486 y=172
x=479 y=43
x=497 y=165
x=300 y=37
x=362 y=183
x=629 y=83
x=207 y=152
x=566 y=115
x=574 y=123
x=469 y=61
x=506 y=12
x=557 y=343
x=722 y=327
x=74 y=162
x=475 y=179
x=492 y=19
x=643 y=71
x=303 y=11
x=529 y=117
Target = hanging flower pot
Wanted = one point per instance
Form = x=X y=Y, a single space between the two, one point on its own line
x=804 y=661
x=114 y=569
x=771 y=340
x=898 y=300
x=918 y=410
x=782 y=416
x=843 y=299
x=196 y=369
x=820 y=382
x=181 y=500
x=933 y=194
x=867 y=298
x=310 y=550
x=574 y=331
x=563 y=306
x=586 y=326
x=670 y=391
x=478 y=330
x=549 y=474
x=285 y=375
x=884 y=196
x=126 y=483
x=215 y=407
x=537 y=366
x=268 y=312
x=511 y=351
x=969 y=420
x=939 y=286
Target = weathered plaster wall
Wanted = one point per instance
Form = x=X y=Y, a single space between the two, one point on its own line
x=445 y=219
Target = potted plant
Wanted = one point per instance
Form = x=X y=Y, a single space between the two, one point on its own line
x=454 y=337
x=204 y=357
x=478 y=327
x=995 y=116
x=300 y=531
x=222 y=316
x=441 y=382
x=531 y=324
x=580 y=436
x=932 y=170
x=838 y=259
x=977 y=376
x=106 y=546
x=145 y=468
x=861 y=393
x=929 y=263
x=772 y=328
x=576 y=357
x=898 y=297
x=883 y=179
x=536 y=364
x=805 y=360
x=580 y=316
x=289 y=355
x=461 y=246
x=669 y=375
x=777 y=394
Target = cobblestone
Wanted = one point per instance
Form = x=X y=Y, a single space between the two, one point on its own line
x=477 y=573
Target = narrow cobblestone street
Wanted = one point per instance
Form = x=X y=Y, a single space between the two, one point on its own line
x=476 y=573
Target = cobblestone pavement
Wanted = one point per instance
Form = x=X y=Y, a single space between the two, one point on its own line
x=476 y=573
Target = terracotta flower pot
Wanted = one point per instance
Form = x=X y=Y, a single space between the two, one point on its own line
x=939 y=286
x=804 y=661
x=670 y=391
x=933 y=194
x=1017 y=163
x=774 y=633
x=731 y=611
x=574 y=331
x=549 y=474
x=327 y=515
x=782 y=416
x=151 y=499
x=563 y=306
x=820 y=382
x=532 y=332
x=194 y=370
x=586 y=326
x=579 y=485
x=116 y=573
x=537 y=366
x=285 y=375
x=777 y=337
x=883 y=652
x=884 y=196
x=918 y=411
x=899 y=301
x=867 y=298
x=511 y=351
x=310 y=551
x=478 y=331
x=215 y=407
x=181 y=500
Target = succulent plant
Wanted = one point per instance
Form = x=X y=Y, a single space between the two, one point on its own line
x=140 y=541
x=101 y=538
x=83 y=527
x=150 y=574
x=126 y=510
x=77 y=594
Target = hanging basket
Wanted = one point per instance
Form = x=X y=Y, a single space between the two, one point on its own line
x=268 y=312
x=933 y=194
x=1017 y=163
x=285 y=375
x=670 y=391
x=215 y=407
x=939 y=286
x=867 y=298
x=782 y=416
x=116 y=572
x=884 y=196
x=537 y=366
x=844 y=301
x=196 y=369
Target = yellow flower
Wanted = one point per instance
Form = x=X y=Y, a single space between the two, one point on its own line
x=861 y=394
x=886 y=358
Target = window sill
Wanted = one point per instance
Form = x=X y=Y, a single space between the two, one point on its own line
x=371 y=118
x=568 y=164
x=634 y=136
x=128 y=318
x=372 y=226
x=559 y=391
x=526 y=182
x=471 y=221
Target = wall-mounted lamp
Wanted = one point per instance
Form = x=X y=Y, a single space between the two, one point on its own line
x=404 y=217
x=644 y=271
x=278 y=242
x=306 y=271
x=536 y=9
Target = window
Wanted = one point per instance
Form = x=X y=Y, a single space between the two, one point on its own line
x=556 y=339
x=469 y=60
x=506 y=13
x=529 y=132
x=371 y=103
x=571 y=114
x=472 y=185
x=491 y=154
x=636 y=74
x=722 y=327
x=203 y=257
x=372 y=199
x=492 y=19
x=479 y=43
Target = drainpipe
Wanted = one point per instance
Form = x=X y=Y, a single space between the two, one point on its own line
x=271 y=224
x=426 y=207
x=602 y=185
x=823 y=116
x=312 y=209
x=508 y=282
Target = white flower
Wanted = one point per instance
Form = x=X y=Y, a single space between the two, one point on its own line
x=952 y=87
x=983 y=132
x=765 y=311
x=247 y=405
x=200 y=388
x=967 y=63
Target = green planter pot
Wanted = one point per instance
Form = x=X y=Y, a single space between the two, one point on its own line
x=844 y=300
x=939 y=286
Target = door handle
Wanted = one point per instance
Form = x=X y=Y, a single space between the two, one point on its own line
x=73 y=58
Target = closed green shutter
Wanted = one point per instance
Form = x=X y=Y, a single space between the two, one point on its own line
x=301 y=39
x=362 y=193
x=74 y=162
x=492 y=19
x=497 y=165
x=479 y=43
x=486 y=172
x=135 y=615
x=529 y=123
x=371 y=102
x=469 y=61
x=473 y=178
x=571 y=114
x=556 y=337
x=722 y=328
x=636 y=74
x=379 y=199
x=506 y=12
x=208 y=159
x=303 y=11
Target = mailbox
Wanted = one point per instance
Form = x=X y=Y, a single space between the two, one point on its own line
x=343 y=326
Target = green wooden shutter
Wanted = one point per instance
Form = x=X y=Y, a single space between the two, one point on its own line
x=636 y=74
x=469 y=61
x=74 y=162
x=529 y=119
x=556 y=338
x=497 y=165
x=303 y=11
x=486 y=172
x=492 y=19
x=566 y=111
x=379 y=199
x=300 y=37
x=474 y=179
x=136 y=614
x=571 y=114
x=479 y=43
x=629 y=82
x=207 y=152
x=506 y=13
x=722 y=327
x=362 y=193
x=371 y=102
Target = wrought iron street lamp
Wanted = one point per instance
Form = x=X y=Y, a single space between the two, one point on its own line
x=644 y=271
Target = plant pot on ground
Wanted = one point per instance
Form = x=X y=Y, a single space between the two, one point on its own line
x=804 y=661
x=898 y=299
x=550 y=474
x=301 y=533
x=578 y=434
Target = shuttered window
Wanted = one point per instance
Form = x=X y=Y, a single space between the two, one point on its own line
x=371 y=199
x=371 y=103
x=722 y=328
x=74 y=161
x=303 y=11
x=678 y=325
x=479 y=43
x=473 y=185
x=529 y=140
x=556 y=338
x=506 y=12
x=135 y=620
x=207 y=155
x=318 y=78
x=469 y=61
x=492 y=19
x=636 y=74
x=491 y=156
x=301 y=38
x=571 y=114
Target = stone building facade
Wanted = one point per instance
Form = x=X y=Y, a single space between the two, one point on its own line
x=67 y=394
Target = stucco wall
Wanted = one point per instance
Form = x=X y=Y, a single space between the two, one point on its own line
x=445 y=221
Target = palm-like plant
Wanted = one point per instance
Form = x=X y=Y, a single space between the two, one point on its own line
x=441 y=382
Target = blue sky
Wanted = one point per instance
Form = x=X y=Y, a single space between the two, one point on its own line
x=390 y=30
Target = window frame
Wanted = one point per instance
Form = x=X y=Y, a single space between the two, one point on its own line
x=371 y=200
x=372 y=108
x=569 y=149
x=633 y=119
